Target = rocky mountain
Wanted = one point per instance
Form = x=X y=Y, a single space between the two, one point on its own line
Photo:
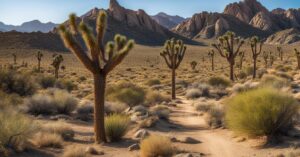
x=168 y=21
x=137 y=25
x=287 y=36
x=209 y=25
x=31 y=26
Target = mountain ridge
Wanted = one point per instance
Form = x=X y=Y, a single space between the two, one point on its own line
x=30 y=26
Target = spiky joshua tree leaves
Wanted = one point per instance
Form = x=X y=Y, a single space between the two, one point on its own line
x=39 y=57
x=256 y=47
x=228 y=47
x=173 y=53
x=297 y=53
x=57 y=60
x=100 y=60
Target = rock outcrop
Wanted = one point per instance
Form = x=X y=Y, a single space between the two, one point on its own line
x=288 y=36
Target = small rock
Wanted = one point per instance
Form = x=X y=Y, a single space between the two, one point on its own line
x=60 y=116
x=134 y=147
x=174 y=139
x=141 y=134
x=190 y=140
x=241 y=139
x=189 y=155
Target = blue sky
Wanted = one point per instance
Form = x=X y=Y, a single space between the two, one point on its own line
x=19 y=11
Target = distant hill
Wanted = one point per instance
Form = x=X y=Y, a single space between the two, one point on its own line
x=168 y=21
x=31 y=26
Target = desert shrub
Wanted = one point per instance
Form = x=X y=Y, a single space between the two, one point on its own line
x=215 y=116
x=46 y=81
x=65 y=84
x=75 y=152
x=66 y=132
x=127 y=93
x=116 y=126
x=161 y=111
x=85 y=107
x=15 y=129
x=9 y=100
x=274 y=81
x=111 y=108
x=237 y=88
x=155 y=145
x=218 y=82
x=45 y=139
x=54 y=102
x=263 y=111
x=13 y=82
x=193 y=93
x=153 y=82
x=154 y=97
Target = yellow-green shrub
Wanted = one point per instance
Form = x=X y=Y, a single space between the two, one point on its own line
x=262 y=111
x=218 y=82
x=116 y=126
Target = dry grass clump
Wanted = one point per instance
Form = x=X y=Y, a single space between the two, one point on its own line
x=155 y=145
x=127 y=93
x=9 y=100
x=161 y=111
x=218 y=82
x=54 y=102
x=15 y=129
x=46 y=139
x=193 y=93
x=15 y=82
x=60 y=128
x=46 y=81
x=116 y=126
x=75 y=151
x=261 y=112
x=111 y=108
x=153 y=82
x=154 y=97
x=274 y=81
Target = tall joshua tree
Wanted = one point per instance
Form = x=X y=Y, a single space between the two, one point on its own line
x=39 y=57
x=280 y=52
x=297 y=53
x=100 y=60
x=211 y=54
x=15 y=58
x=256 y=47
x=226 y=48
x=57 y=60
x=173 y=54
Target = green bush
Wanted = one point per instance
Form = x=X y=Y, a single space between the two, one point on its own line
x=13 y=82
x=218 y=82
x=262 y=111
x=116 y=126
x=127 y=93
x=15 y=129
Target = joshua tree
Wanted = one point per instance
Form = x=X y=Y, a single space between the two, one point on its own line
x=15 y=58
x=193 y=65
x=256 y=46
x=211 y=54
x=266 y=58
x=100 y=60
x=39 y=56
x=241 y=59
x=280 y=52
x=57 y=60
x=297 y=53
x=225 y=47
x=173 y=54
x=272 y=58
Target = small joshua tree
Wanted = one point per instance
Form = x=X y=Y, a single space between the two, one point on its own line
x=241 y=59
x=266 y=58
x=173 y=54
x=272 y=58
x=57 y=60
x=193 y=65
x=211 y=55
x=39 y=57
x=297 y=53
x=280 y=52
x=225 y=47
x=14 y=58
x=256 y=47
x=100 y=60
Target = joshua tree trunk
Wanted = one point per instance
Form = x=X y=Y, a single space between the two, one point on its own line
x=56 y=73
x=254 y=68
x=99 y=92
x=212 y=64
x=173 y=84
x=231 y=71
x=39 y=65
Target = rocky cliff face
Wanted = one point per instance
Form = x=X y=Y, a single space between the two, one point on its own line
x=287 y=36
